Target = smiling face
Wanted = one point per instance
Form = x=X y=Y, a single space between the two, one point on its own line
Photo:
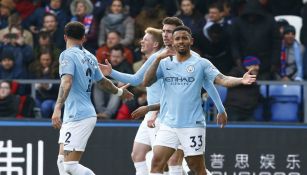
x=182 y=42
x=147 y=43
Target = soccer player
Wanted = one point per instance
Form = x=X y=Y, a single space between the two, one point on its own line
x=78 y=69
x=183 y=123
x=145 y=136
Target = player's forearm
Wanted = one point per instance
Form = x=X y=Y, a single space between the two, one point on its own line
x=65 y=86
x=227 y=81
x=153 y=107
x=107 y=85
x=212 y=92
x=150 y=76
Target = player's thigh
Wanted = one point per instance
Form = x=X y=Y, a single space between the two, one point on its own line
x=74 y=135
x=139 y=151
x=142 y=135
x=192 y=140
x=196 y=163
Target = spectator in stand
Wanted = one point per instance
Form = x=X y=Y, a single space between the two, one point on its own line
x=103 y=52
x=45 y=67
x=255 y=33
x=8 y=67
x=13 y=43
x=82 y=11
x=281 y=24
x=26 y=7
x=303 y=37
x=193 y=19
x=14 y=21
x=151 y=15
x=216 y=48
x=118 y=61
x=6 y=9
x=215 y=16
x=36 y=21
x=8 y=102
x=241 y=101
x=107 y=105
x=50 y=24
x=291 y=57
x=44 y=43
x=117 y=19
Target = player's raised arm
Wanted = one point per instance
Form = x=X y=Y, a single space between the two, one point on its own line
x=151 y=74
x=65 y=86
x=229 y=81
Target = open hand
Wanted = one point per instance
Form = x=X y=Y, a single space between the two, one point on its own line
x=248 y=78
x=106 y=69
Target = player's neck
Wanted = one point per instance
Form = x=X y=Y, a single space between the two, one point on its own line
x=182 y=58
x=73 y=43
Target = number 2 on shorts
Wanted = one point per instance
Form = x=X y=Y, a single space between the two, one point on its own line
x=68 y=135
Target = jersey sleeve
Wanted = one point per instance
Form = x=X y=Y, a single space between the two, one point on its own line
x=134 y=79
x=159 y=72
x=210 y=71
x=67 y=65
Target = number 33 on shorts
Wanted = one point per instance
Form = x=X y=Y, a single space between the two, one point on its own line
x=196 y=142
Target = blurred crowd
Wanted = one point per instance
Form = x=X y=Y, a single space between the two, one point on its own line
x=233 y=34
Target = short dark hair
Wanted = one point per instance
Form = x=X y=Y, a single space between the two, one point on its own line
x=50 y=14
x=172 y=21
x=184 y=28
x=217 y=5
x=74 y=30
x=119 y=47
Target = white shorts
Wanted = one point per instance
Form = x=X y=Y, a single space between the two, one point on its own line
x=74 y=135
x=192 y=140
x=146 y=135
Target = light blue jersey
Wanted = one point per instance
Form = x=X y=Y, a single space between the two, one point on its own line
x=153 y=92
x=182 y=83
x=83 y=66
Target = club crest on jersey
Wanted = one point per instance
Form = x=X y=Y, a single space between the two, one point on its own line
x=190 y=69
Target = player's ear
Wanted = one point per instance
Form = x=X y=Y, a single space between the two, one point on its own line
x=192 y=41
x=83 y=38
x=65 y=38
x=156 y=44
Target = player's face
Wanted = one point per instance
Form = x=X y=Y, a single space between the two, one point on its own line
x=182 y=42
x=147 y=43
x=167 y=31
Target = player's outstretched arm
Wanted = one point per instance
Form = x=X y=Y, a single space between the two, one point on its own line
x=229 y=81
x=107 y=85
x=65 y=86
x=143 y=110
